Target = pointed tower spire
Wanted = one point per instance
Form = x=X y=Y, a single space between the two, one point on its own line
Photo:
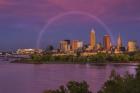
x=93 y=30
x=119 y=41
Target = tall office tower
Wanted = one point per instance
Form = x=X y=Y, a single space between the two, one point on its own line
x=107 y=42
x=92 y=39
x=65 y=45
x=76 y=44
x=132 y=46
x=119 y=42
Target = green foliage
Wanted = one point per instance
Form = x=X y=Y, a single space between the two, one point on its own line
x=118 y=57
x=136 y=57
x=72 y=87
x=76 y=87
x=126 y=84
x=98 y=58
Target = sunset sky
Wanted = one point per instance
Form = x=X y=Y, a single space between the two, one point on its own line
x=21 y=21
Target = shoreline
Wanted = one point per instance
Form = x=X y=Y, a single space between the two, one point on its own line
x=135 y=63
x=99 y=59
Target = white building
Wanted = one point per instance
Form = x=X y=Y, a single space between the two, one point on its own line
x=80 y=44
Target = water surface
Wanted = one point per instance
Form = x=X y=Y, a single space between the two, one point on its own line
x=30 y=78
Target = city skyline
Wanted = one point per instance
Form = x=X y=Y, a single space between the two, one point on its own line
x=22 y=21
x=93 y=42
x=78 y=47
x=67 y=45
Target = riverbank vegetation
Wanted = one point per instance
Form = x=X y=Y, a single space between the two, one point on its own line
x=72 y=87
x=116 y=84
x=98 y=58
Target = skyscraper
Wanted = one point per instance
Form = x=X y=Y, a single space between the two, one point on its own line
x=107 y=42
x=92 y=39
x=119 y=42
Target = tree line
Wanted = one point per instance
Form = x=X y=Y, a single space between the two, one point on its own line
x=98 y=58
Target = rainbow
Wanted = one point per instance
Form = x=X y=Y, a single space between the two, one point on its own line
x=56 y=18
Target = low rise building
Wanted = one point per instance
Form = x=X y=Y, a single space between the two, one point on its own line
x=88 y=53
x=29 y=51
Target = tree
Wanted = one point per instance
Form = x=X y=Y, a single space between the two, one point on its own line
x=126 y=84
x=136 y=56
x=76 y=87
x=72 y=87
x=100 y=57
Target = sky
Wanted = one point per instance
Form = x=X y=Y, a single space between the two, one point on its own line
x=22 y=21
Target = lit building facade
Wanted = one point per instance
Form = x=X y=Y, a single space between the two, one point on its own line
x=132 y=46
x=80 y=44
x=76 y=44
x=65 y=45
x=92 y=39
x=107 y=42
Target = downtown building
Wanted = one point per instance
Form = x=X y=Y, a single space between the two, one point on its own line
x=119 y=48
x=132 y=46
x=107 y=42
x=76 y=44
x=64 y=45
x=92 y=39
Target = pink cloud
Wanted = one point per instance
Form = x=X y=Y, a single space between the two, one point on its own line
x=45 y=9
x=97 y=7
x=109 y=9
x=5 y=3
x=2 y=2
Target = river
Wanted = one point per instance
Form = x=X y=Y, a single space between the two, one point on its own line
x=31 y=78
